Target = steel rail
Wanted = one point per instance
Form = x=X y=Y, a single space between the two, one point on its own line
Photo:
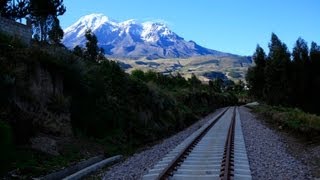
x=168 y=171
x=227 y=164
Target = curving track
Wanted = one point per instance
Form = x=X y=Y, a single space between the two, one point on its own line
x=215 y=151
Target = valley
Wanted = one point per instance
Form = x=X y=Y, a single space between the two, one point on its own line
x=204 y=67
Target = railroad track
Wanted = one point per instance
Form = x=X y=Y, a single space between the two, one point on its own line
x=215 y=151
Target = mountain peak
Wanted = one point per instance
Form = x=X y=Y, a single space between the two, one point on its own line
x=93 y=15
x=91 y=21
x=99 y=17
x=132 y=39
x=129 y=22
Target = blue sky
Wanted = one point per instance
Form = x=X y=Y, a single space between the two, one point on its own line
x=226 y=25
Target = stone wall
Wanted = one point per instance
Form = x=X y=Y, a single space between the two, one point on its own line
x=16 y=30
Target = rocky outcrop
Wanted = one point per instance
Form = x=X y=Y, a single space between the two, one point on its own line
x=40 y=110
x=42 y=99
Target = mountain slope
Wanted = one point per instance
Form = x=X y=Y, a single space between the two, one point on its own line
x=130 y=39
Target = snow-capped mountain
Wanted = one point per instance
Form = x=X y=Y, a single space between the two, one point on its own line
x=131 y=39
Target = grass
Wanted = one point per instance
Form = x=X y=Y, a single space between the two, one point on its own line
x=292 y=119
x=28 y=163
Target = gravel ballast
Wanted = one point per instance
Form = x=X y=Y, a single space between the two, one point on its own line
x=137 y=165
x=267 y=151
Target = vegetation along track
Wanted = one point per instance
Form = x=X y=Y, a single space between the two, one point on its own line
x=215 y=151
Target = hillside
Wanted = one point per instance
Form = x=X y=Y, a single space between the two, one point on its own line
x=54 y=105
x=205 y=67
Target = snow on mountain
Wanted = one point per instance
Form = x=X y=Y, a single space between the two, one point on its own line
x=151 y=31
x=131 y=39
x=93 y=22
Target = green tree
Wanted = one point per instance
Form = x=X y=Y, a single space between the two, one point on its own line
x=314 y=86
x=151 y=76
x=101 y=56
x=21 y=9
x=229 y=85
x=56 y=33
x=138 y=74
x=14 y=9
x=239 y=86
x=78 y=51
x=299 y=78
x=194 y=81
x=6 y=9
x=255 y=76
x=216 y=85
x=277 y=90
x=92 y=49
x=180 y=81
x=6 y=142
x=3 y=5
x=43 y=14
x=314 y=53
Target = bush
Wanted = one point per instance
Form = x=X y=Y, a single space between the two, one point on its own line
x=104 y=101
x=59 y=104
x=292 y=119
x=6 y=145
x=234 y=74
x=9 y=43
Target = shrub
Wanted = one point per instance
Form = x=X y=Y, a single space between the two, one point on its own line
x=292 y=119
x=6 y=145
x=9 y=42
x=59 y=104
